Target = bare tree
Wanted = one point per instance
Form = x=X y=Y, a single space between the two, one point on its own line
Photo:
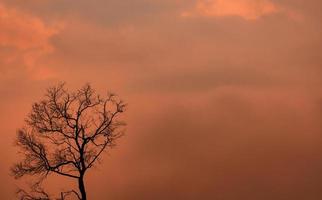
x=66 y=134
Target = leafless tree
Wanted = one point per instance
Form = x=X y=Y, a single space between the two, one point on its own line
x=66 y=134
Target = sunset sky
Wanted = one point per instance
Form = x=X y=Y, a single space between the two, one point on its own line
x=224 y=96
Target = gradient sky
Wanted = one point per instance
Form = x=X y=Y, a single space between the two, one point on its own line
x=225 y=96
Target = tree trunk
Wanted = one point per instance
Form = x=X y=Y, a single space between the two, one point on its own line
x=81 y=187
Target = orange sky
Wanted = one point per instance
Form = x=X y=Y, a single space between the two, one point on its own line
x=224 y=96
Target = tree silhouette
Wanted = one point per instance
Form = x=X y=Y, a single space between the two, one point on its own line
x=66 y=134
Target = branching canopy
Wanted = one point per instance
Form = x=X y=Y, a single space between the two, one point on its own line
x=67 y=132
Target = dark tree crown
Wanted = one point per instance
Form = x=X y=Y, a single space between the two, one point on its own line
x=66 y=134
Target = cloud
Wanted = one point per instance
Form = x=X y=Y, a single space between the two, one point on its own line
x=218 y=109
x=247 y=9
x=26 y=38
x=235 y=139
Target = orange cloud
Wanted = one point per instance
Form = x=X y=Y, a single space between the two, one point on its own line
x=247 y=9
x=27 y=37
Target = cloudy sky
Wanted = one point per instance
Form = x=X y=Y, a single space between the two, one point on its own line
x=225 y=96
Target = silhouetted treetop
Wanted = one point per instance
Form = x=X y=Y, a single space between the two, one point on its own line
x=67 y=132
